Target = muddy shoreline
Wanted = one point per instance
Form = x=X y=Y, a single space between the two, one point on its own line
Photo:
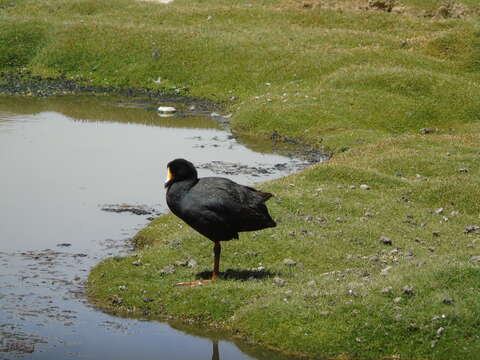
x=25 y=84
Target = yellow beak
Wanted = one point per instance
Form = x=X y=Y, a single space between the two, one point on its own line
x=169 y=176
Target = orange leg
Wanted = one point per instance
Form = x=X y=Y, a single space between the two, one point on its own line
x=217 y=249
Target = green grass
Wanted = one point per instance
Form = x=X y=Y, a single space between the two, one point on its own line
x=344 y=311
x=338 y=77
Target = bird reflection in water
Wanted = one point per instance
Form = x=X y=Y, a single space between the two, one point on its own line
x=215 y=353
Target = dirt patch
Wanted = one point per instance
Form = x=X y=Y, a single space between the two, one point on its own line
x=449 y=9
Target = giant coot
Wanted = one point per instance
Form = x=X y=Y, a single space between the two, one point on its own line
x=216 y=207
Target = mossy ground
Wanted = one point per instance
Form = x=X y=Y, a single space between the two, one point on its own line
x=336 y=77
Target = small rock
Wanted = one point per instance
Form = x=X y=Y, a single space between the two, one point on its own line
x=440 y=331
x=397 y=300
x=364 y=218
x=387 y=290
x=364 y=187
x=455 y=213
x=278 y=281
x=439 y=211
x=447 y=301
x=352 y=187
x=137 y=263
x=166 y=110
x=463 y=170
x=385 y=270
x=408 y=290
x=191 y=263
x=167 y=270
x=385 y=240
x=425 y=131
x=289 y=262
x=64 y=245
x=122 y=288
x=471 y=228
x=340 y=220
x=475 y=259
x=438 y=318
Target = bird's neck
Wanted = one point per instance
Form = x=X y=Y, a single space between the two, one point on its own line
x=180 y=188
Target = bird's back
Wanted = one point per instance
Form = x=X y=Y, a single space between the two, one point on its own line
x=220 y=208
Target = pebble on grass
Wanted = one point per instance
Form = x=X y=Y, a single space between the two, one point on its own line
x=387 y=290
x=408 y=290
x=475 y=259
x=471 y=228
x=289 y=262
x=386 y=240
x=167 y=270
x=385 y=270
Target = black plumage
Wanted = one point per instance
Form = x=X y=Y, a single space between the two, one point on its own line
x=216 y=207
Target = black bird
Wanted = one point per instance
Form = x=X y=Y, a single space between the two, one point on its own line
x=216 y=207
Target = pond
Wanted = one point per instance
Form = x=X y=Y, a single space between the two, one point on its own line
x=64 y=161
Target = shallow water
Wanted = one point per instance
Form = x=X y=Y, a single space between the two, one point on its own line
x=61 y=161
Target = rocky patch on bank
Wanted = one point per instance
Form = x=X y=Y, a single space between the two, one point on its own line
x=26 y=84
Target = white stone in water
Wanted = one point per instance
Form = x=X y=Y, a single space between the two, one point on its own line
x=166 y=109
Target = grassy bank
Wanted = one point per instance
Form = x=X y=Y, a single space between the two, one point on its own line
x=339 y=76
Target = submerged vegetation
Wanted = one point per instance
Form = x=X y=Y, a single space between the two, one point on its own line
x=376 y=252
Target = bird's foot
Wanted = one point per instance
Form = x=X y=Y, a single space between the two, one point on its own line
x=194 y=283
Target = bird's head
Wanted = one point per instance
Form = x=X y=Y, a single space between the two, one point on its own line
x=178 y=170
